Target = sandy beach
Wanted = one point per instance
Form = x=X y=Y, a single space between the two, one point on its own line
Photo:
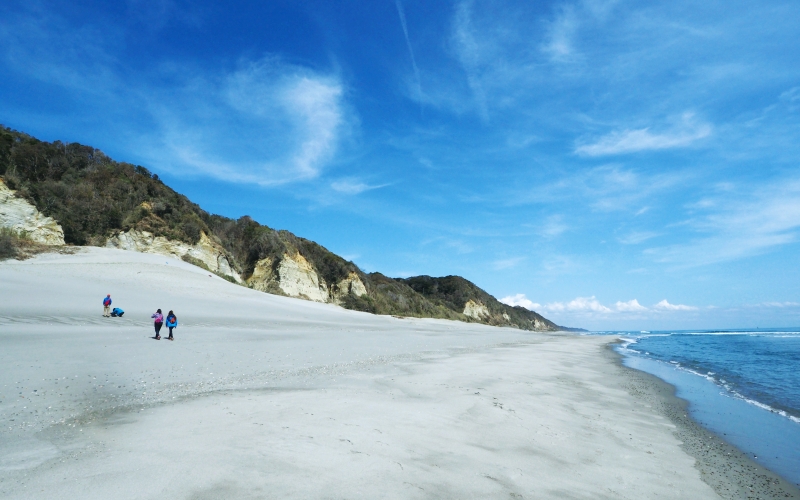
x=263 y=396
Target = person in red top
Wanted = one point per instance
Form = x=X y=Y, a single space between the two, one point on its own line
x=107 y=306
x=158 y=323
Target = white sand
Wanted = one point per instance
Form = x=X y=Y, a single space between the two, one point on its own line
x=263 y=396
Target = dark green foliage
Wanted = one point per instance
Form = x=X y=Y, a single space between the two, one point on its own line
x=91 y=195
x=395 y=297
x=363 y=303
x=453 y=292
x=8 y=245
x=195 y=262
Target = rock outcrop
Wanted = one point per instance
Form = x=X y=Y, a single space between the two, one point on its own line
x=476 y=310
x=206 y=251
x=298 y=278
x=295 y=276
x=23 y=218
x=351 y=285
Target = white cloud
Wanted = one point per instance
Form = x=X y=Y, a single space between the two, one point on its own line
x=738 y=225
x=630 y=141
x=559 y=40
x=520 y=300
x=352 y=186
x=579 y=304
x=666 y=306
x=278 y=123
x=630 y=306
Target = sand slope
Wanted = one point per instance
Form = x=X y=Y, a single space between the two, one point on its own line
x=263 y=396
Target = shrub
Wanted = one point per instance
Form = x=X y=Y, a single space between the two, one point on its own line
x=8 y=244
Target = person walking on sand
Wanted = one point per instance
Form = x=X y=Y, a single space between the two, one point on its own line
x=172 y=322
x=158 y=323
x=107 y=306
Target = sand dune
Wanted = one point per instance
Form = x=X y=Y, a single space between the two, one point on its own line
x=263 y=396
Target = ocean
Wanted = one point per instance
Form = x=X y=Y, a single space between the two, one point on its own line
x=743 y=385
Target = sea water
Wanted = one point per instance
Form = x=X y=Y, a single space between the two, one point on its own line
x=744 y=385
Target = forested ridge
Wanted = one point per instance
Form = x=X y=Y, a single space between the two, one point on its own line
x=94 y=197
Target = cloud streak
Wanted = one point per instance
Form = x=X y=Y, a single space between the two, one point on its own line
x=738 y=225
x=633 y=141
x=401 y=13
x=353 y=186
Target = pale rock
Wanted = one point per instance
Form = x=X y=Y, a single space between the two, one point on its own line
x=296 y=277
x=204 y=250
x=299 y=279
x=476 y=310
x=506 y=317
x=352 y=284
x=262 y=275
x=23 y=218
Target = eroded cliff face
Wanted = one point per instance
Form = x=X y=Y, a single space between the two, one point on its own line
x=351 y=284
x=205 y=250
x=299 y=279
x=20 y=216
x=476 y=310
x=296 y=277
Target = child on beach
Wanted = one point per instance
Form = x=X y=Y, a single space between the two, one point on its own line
x=117 y=312
x=107 y=306
x=172 y=322
x=158 y=323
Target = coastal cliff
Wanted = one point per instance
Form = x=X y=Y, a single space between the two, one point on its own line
x=57 y=194
x=22 y=217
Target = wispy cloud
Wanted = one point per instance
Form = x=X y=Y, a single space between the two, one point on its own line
x=738 y=225
x=607 y=188
x=282 y=122
x=637 y=237
x=507 y=263
x=265 y=122
x=404 y=25
x=558 y=42
x=688 y=131
x=779 y=305
x=553 y=226
x=354 y=186
x=470 y=53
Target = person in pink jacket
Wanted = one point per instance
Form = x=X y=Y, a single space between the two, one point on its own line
x=158 y=323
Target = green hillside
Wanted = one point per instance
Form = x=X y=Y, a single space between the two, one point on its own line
x=94 y=197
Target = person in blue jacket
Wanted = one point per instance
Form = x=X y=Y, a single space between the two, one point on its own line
x=107 y=306
x=117 y=312
x=172 y=322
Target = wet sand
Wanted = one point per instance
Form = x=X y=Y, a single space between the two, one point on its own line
x=263 y=396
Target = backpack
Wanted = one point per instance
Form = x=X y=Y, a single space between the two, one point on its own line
x=106 y=301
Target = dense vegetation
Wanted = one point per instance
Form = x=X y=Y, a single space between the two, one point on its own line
x=90 y=195
x=93 y=197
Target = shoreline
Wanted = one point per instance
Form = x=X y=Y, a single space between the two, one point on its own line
x=723 y=466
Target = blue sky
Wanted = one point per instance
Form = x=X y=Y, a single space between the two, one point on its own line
x=610 y=164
